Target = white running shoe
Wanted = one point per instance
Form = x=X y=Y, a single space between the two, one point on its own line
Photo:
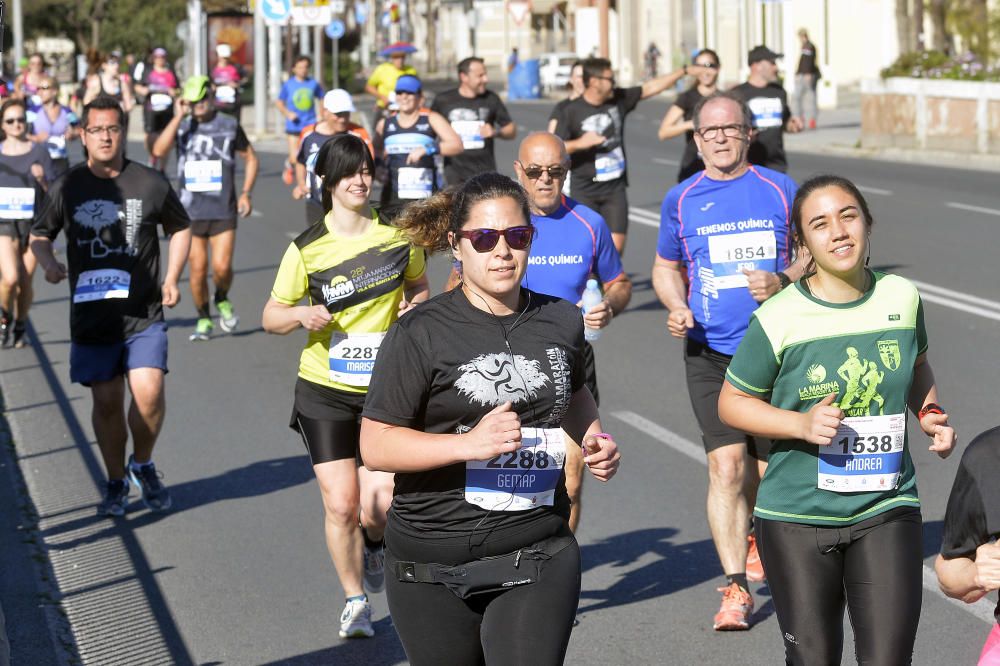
x=374 y=570
x=356 y=620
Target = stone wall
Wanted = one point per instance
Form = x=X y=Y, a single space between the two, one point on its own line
x=957 y=116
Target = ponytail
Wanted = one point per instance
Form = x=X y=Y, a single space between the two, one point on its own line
x=426 y=222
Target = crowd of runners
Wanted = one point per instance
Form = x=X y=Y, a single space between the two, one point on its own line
x=450 y=435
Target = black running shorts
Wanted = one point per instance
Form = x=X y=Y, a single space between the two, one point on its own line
x=706 y=371
x=329 y=421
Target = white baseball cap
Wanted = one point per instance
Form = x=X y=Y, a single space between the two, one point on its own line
x=223 y=51
x=338 y=100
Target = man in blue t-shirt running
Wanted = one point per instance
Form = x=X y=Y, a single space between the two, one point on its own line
x=725 y=246
x=299 y=102
x=571 y=244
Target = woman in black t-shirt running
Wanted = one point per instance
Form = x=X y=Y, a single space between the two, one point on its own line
x=680 y=116
x=469 y=397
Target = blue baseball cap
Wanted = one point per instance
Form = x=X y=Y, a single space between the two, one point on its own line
x=408 y=84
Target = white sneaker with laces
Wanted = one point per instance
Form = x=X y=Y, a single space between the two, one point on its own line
x=356 y=620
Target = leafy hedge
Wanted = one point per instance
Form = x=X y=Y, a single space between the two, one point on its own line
x=939 y=65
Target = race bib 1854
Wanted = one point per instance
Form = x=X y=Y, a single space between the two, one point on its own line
x=731 y=253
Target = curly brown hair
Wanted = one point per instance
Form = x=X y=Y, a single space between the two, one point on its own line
x=427 y=222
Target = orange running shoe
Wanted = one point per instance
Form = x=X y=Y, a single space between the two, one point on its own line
x=288 y=174
x=755 y=568
x=734 y=614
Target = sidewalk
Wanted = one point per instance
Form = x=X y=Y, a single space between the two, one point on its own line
x=28 y=595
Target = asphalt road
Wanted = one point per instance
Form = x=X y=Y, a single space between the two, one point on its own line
x=238 y=573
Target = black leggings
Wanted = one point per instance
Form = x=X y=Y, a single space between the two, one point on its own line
x=875 y=566
x=523 y=625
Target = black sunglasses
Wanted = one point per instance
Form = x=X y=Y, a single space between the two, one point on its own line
x=710 y=65
x=19 y=119
x=534 y=172
x=484 y=240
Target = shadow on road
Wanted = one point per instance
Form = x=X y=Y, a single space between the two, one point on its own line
x=259 y=478
x=145 y=575
x=677 y=566
x=382 y=650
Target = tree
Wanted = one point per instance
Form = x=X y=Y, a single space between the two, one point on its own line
x=103 y=25
x=938 y=10
x=970 y=20
x=905 y=32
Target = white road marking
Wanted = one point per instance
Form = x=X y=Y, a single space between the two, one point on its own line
x=875 y=190
x=981 y=307
x=664 y=160
x=974 y=209
x=956 y=300
x=644 y=217
x=256 y=213
x=941 y=291
x=982 y=609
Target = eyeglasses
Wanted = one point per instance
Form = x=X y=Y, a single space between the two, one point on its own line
x=11 y=121
x=45 y=87
x=710 y=65
x=113 y=130
x=484 y=240
x=534 y=172
x=728 y=131
x=605 y=78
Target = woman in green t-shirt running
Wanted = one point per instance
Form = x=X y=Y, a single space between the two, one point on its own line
x=828 y=369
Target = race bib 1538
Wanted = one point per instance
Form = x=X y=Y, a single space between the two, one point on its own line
x=865 y=456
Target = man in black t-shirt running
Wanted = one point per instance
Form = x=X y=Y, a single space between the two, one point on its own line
x=593 y=127
x=109 y=208
x=208 y=143
x=478 y=116
x=768 y=102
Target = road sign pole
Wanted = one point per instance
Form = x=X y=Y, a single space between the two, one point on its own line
x=336 y=63
x=259 y=73
x=318 y=50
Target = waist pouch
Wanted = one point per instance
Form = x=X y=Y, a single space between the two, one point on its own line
x=489 y=574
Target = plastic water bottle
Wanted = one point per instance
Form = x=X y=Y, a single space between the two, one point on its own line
x=591 y=298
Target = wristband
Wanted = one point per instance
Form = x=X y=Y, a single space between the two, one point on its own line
x=685 y=70
x=431 y=149
x=783 y=279
x=929 y=408
x=602 y=435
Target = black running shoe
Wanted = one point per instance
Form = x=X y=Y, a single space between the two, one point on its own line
x=115 y=499
x=5 y=331
x=155 y=495
x=20 y=331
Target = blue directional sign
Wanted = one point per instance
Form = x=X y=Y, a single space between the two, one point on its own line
x=335 y=29
x=276 y=10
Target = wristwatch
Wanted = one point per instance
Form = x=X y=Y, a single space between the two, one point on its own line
x=783 y=279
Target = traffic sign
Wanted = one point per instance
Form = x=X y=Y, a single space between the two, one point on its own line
x=335 y=29
x=360 y=12
x=311 y=15
x=276 y=11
